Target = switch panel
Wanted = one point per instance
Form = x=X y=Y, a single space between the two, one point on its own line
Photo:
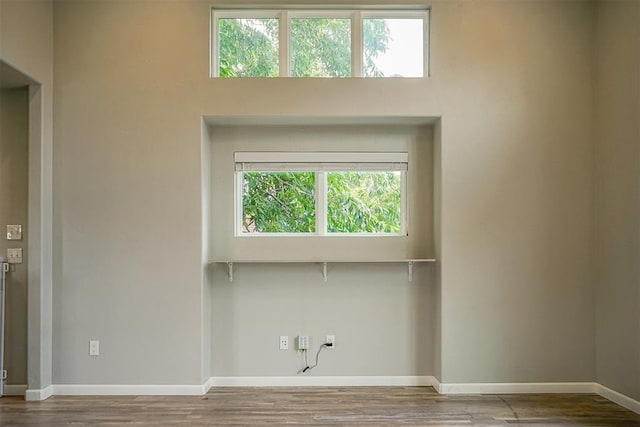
x=14 y=232
x=14 y=255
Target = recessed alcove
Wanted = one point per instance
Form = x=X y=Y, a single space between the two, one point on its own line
x=357 y=288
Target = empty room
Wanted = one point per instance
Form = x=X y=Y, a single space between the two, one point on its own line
x=323 y=213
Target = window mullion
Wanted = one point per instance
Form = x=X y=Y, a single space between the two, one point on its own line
x=356 y=44
x=404 y=208
x=321 y=203
x=214 y=50
x=284 y=34
x=238 y=207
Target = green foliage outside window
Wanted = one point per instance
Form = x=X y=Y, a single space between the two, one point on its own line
x=357 y=202
x=248 y=47
x=320 y=47
x=279 y=202
x=364 y=202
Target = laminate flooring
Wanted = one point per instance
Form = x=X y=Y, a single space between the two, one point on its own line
x=328 y=406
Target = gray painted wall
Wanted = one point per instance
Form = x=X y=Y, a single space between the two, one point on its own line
x=14 y=180
x=512 y=82
x=618 y=196
x=383 y=324
x=26 y=43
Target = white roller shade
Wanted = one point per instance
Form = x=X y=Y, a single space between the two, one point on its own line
x=320 y=161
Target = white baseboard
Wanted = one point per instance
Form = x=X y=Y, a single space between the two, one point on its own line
x=128 y=390
x=619 y=398
x=322 y=381
x=516 y=388
x=14 y=389
x=39 y=394
x=207 y=385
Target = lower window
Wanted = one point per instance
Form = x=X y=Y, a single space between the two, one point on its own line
x=320 y=198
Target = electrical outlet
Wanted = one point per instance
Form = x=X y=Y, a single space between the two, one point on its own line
x=4 y=374
x=14 y=255
x=284 y=342
x=94 y=348
x=303 y=342
x=330 y=339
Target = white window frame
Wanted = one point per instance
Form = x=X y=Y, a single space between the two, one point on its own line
x=319 y=163
x=285 y=17
x=216 y=15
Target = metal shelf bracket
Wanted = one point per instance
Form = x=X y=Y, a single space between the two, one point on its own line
x=230 y=271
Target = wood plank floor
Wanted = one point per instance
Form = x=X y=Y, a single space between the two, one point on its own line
x=343 y=406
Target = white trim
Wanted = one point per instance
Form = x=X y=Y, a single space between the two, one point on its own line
x=214 y=46
x=284 y=47
x=436 y=384
x=323 y=381
x=395 y=14
x=207 y=385
x=129 y=390
x=426 y=39
x=245 y=13
x=14 y=389
x=356 y=44
x=619 y=398
x=321 y=203
x=216 y=15
x=517 y=388
x=38 y=394
x=320 y=157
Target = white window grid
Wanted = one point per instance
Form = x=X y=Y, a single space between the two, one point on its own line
x=370 y=162
x=285 y=16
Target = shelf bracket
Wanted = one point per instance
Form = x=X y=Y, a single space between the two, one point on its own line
x=410 y=267
x=230 y=271
x=324 y=271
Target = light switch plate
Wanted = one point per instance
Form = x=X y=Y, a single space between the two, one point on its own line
x=14 y=232
x=14 y=255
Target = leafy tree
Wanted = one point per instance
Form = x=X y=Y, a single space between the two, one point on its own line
x=375 y=41
x=248 y=47
x=285 y=202
x=357 y=202
x=319 y=47
x=279 y=202
x=363 y=202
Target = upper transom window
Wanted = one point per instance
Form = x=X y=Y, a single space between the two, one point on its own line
x=327 y=43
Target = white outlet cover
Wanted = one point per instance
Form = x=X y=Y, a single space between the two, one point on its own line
x=331 y=339
x=14 y=232
x=94 y=348
x=14 y=255
x=284 y=342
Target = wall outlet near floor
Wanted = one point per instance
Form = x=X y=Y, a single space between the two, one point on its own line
x=14 y=255
x=3 y=374
x=284 y=342
x=94 y=348
x=303 y=342
x=330 y=339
